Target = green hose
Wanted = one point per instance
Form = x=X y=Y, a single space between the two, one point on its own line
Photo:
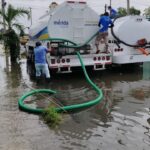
x=74 y=45
x=79 y=46
x=70 y=108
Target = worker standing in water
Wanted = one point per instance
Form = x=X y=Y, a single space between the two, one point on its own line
x=104 y=23
x=41 y=65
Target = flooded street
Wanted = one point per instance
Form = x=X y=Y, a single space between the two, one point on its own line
x=120 y=122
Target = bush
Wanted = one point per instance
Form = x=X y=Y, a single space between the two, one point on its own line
x=51 y=117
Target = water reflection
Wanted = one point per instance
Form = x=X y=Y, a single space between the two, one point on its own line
x=124 y=110
x=15 y=75
x=146 y=71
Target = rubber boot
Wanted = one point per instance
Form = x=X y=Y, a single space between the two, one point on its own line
x=37 y=80
x=47 y=80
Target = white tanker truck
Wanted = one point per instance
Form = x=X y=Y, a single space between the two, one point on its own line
x=72 y=26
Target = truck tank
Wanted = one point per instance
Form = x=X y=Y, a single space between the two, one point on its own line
x=130 y=29
x=72 y=20
x=130 y=40
x=69 y=27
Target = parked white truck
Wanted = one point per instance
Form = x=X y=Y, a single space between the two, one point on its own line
x=132 y=37
x=67 y=28
x=72 y=26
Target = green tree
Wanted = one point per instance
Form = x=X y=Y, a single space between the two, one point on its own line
x=134 y=11
x=147 y=11
x=123 y=11
x=10 y=36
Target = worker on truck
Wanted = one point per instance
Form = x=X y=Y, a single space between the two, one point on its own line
x=104 y=23
x=113 y=12
x=41 y=65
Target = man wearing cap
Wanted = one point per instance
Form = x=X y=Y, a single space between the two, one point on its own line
x=113 y=12
x=41 y=65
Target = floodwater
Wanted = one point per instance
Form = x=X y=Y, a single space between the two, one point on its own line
x=120 y=122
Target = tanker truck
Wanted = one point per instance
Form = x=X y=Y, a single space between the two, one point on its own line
x=72 y=26
x=66 y=28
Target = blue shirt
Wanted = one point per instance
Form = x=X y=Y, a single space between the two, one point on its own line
x=40 y=54
x=105 y=21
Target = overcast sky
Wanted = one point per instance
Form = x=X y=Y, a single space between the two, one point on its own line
x=40 y=6
x=97 y=4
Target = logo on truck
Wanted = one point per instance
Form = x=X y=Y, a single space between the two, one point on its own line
x=61 y=22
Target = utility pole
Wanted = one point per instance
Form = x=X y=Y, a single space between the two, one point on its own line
x=3 y=12
x=128 y=7
x=30 y=15
x=105 y=7
x=110 y=3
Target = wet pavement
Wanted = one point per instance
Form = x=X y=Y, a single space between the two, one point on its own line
x=120 y=122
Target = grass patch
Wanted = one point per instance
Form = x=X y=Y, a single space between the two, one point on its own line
x=51 y=117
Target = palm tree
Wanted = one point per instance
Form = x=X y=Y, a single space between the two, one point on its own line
x=10 y=36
